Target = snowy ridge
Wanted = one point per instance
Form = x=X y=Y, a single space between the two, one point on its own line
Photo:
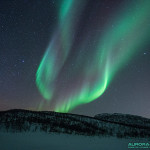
x=101 y=125
x=125 y=119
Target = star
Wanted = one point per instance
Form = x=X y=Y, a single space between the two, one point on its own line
x=91 y=49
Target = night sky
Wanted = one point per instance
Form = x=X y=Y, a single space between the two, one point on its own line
x=82 y=56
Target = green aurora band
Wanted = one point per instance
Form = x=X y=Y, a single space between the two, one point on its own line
x=113 y=49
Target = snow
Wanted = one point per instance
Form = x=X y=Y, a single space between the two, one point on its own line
x=27 y=130
x=119 y=125
x=45 y=141
x=126 y=119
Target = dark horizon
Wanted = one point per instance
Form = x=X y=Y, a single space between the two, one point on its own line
x=13 y=110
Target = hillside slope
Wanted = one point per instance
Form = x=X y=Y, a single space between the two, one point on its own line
x=52 y=122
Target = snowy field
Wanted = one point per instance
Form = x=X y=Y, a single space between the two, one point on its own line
x=44 y=141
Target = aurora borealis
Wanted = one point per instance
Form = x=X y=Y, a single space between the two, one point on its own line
x=77 y=56
x=98 y=64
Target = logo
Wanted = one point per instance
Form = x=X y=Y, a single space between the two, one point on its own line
x=139 y=145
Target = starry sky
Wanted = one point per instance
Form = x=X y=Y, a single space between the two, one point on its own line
x=84 y=57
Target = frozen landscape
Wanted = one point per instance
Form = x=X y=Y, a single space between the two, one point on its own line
x=44 y=141
x=29 y=130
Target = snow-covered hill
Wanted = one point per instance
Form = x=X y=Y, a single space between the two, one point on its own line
x=51 y=122
x=125 y=119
